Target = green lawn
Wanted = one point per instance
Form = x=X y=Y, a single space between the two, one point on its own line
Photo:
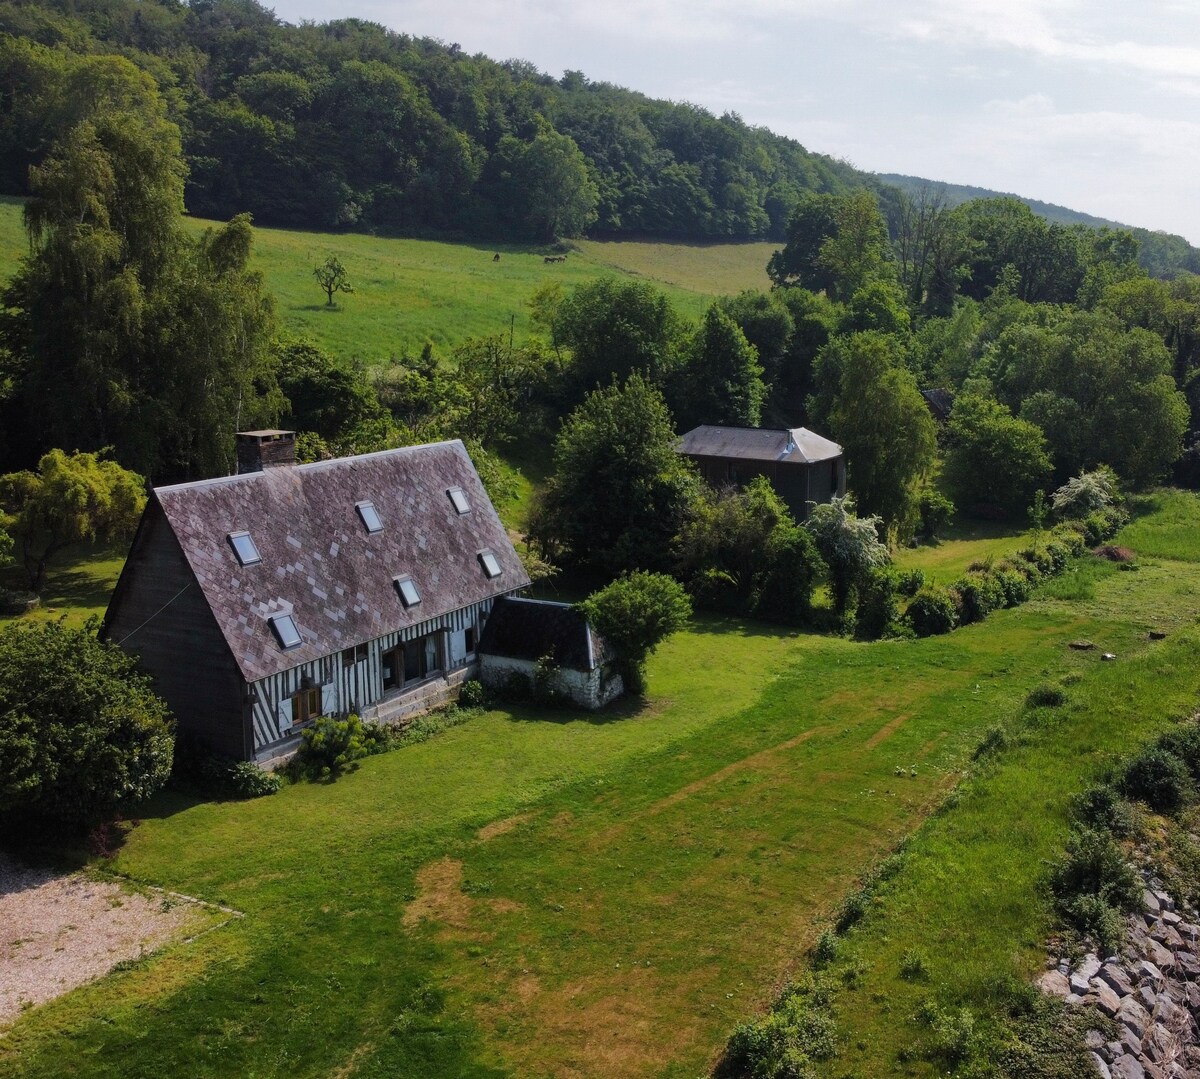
x=644 y=878
x=964 y=542
x=407 y=292
x=78 y=584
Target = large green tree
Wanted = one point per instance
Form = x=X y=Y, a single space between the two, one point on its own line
x=877 y=413
x=619 y=492
x=720 y=380
x=81 y=732
x=121 y=330
x=992 y=456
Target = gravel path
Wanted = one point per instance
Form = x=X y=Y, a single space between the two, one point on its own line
x=58 y=931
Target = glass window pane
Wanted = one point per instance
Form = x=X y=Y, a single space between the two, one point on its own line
x=459 y=498
x=410 y=595
x=369 y=515
x=244 y=548
x=490 y=566
x=285 y=630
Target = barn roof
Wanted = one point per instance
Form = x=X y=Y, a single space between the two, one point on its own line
x=532 y=628
x=939 y=403
x=320 y=563
x=796 y=445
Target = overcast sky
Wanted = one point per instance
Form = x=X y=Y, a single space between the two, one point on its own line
x=1092 y=104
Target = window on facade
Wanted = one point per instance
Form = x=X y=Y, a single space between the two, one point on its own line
x=410 y=595
x=351 y=656
x=412 y=661
x=369 y=515
x=306 y=705
x=285 y=630
x=244 y=547
x=488 y=561
x=469 y=640
x=459 y=499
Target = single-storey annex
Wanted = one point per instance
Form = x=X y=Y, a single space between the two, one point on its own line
x=260 y=601
x=802 y=466
x=527 y=638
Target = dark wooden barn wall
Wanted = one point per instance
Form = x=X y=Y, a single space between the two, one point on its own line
x=159 y=613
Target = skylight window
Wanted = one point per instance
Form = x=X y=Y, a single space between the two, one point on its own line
x=459 y=499
x=285 y=630
x=369 y=515
x=243 y=546
x=490 y=566
x=410 y=595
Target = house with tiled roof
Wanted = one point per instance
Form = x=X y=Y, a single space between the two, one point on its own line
x=805 y=468
x=260 y=601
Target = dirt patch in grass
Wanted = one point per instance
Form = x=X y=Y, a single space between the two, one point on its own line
x=887 y=730
x=59 y=931
x=502 y=827
x=441 y=899
x=608 y=1025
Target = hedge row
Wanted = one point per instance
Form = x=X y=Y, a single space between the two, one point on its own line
x=1008 y=583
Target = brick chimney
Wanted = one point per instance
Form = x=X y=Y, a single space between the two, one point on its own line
x=257 y=450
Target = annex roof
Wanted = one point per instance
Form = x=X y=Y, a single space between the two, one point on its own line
x=796 y=445
x=320 y=564
x=532 y=628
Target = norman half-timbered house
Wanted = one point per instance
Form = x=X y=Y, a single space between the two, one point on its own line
x=260 y=601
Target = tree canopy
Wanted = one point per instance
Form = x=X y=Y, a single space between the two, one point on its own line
x=81 y=732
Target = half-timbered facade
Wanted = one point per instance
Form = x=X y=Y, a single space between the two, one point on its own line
x=261 y=601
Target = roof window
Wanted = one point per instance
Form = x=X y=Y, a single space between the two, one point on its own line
x=490 y=566
x=459 y=499
x=369 y=515
x=410 y=595
x=284 y=627
x=244 y=547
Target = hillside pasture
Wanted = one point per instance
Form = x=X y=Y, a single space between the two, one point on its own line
x=542 y=893
x=408 y=292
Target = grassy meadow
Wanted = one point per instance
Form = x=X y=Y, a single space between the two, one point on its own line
x=408 y=292
x=552 y=894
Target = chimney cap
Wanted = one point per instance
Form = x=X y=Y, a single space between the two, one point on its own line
x=263 y=435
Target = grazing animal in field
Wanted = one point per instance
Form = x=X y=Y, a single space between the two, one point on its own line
x=496 y=257
x=555 y=258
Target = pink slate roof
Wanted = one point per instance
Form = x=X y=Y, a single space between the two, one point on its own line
x=320 y=564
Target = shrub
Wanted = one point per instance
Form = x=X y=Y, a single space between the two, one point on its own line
x=932 y=611
x=1095 y=865
x=788 y=1041
x=995 y=740
x=877 y=606
x=331 y=746
x=247 y=780
x=934 y=511
x=1060 y=555
x=913 y=967
x=1096 y=918
x=825 y=951
x=81 y=731
x=1039 y=558
x=1072 y=539
x=1013 y=584
x=978 y=595
x=851 y=912
x=1184 y=743
x=1045 y=696
x=1095 y=528
x=1085 y=493
x=953 y=1032
x=909 y=581
x=472 y=694
x=1102 y=807
x=1160 y=779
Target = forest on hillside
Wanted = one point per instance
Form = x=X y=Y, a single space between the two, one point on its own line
x=348 y=125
